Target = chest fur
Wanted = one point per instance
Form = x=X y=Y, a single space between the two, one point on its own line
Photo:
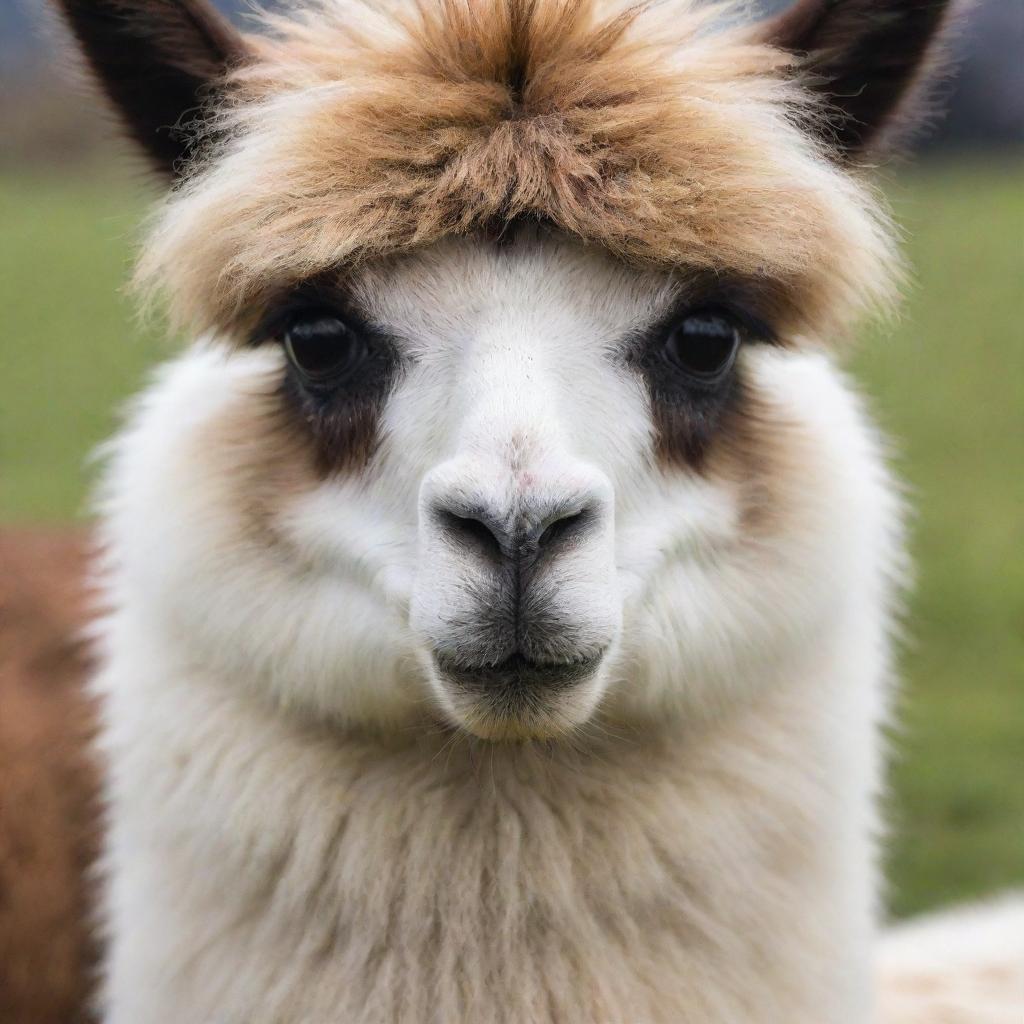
x=291 y=876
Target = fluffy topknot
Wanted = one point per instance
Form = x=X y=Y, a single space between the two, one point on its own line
x=668 y=136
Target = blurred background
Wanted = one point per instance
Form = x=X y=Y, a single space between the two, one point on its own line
x=947 y=385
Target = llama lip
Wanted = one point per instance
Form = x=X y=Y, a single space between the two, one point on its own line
x=517 y=674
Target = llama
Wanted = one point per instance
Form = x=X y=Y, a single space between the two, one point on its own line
x=48 y=779
x=499 y=590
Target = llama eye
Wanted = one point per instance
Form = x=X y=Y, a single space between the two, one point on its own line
x=704 y=345
x=323 y=348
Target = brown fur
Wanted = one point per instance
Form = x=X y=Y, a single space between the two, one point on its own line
x=361 y=133
x=48 y=783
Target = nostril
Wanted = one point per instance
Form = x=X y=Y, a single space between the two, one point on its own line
x=470 y=531
x=564 y=527
x=514 y=532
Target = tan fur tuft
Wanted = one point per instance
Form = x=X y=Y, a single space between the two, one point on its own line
x=657 y=134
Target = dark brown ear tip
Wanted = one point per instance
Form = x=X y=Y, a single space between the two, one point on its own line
x=158 y=62
x=876 y=62
x=923 y=102
x=786 y=28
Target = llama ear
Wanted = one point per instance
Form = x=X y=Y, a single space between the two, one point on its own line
x=156 y=60
x=872 y=58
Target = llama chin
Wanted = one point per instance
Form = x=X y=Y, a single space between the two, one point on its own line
x=501 y=587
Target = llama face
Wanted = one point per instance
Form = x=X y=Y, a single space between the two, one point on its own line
x=579 y=490
x=438 y=463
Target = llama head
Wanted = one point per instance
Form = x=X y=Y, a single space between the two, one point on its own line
x=514 y=405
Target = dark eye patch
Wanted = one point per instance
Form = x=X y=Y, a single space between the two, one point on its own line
x=688 y=362
x=340 y=372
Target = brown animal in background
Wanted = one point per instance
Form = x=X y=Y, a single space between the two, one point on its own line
x=48 y=780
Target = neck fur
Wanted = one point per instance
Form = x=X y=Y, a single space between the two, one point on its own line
x=691 y=875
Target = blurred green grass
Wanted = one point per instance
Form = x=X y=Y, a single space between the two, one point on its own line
x=71 y=349
x=947 y=385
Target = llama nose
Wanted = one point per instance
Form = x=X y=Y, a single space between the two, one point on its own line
x=518 y=536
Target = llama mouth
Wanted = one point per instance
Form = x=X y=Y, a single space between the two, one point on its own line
x=517 y=677
x=518 y=699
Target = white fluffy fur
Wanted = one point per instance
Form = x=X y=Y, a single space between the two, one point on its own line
x=297 y=836
x=960 y=967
